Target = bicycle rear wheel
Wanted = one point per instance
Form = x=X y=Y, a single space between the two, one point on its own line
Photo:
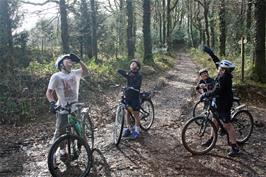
x=243 y=124
x=76 y=161
x=146 y=115
x=89 y=129
x=119 y=124
x=196 y=132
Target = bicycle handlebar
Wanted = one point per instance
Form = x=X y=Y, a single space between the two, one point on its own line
x=69 y=107
x=130 y=88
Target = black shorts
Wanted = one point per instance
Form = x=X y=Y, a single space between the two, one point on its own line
x=134 y=103
x=225 y=116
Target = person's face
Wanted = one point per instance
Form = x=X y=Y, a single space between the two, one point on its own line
x=68 y=64
x=134 y=66
x=204 y=75
x=221 y=70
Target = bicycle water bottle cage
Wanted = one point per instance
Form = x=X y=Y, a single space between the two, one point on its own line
x=74 y=106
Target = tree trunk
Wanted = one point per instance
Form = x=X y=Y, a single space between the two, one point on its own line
x=260 y=40
x=121 y=34
x=64 y=26
x=85 y=30
x=94 y=30
x=147 y=32
x=6 y=37
x=160 y=30
x=168 y=22
x=212 y=33
x=130 y=42
x=206 y=12
x=222 y=27
x=164 y=27
x=248 y=20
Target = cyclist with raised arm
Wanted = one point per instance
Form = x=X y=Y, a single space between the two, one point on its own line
x=65 y=84
x=224 y=99
x=134 y=80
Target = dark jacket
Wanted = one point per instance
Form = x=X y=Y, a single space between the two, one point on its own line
x=223 y=92
x=209 y=82
x=223 y=86
x=134 y=79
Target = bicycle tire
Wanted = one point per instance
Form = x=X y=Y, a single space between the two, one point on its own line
x=243 y=123
x=198 y=108
x=146 y=121
x=194 y=125
x=71 y=142
x=118 y=124
x=89 y=129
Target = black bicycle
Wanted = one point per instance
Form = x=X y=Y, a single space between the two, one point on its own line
x=146 y=114
x=198 y=129
x=201 y=106
x=76 y=143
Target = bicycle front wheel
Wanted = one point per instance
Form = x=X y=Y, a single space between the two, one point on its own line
x=199 y=108
x=76 y=159
x=119 y=124
x=243 y=124
x=146 y=114
x=196 y=132
x=88 y=129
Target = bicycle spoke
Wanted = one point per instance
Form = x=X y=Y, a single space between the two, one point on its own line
x=118 y=124
x=243 y=124
x=146 y=114
x=195 y=134
x=76 y=159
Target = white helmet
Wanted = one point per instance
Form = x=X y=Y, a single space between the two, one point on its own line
x=59 y=61
x=227 y=64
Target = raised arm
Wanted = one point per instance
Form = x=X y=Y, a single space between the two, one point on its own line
x=122 y=73
x=84 y=68
x=215 y=59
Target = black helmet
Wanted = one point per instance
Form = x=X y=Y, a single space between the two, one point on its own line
x=136 y=61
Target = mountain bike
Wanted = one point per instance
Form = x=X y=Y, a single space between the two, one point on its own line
x=198 y=129
x=146 y=114
x=77 y=143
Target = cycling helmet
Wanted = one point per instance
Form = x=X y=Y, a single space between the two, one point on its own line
x=226 y=64
x=136 y=61
x=203 y=70
x=59 y=61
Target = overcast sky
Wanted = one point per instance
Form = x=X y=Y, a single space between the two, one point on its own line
x=34 y=13
x=31 y=17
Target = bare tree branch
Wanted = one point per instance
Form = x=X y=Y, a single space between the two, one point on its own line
x=110 y=6
x=200 y=3
x=116 y=4
x=39 y=4
x=174 y=6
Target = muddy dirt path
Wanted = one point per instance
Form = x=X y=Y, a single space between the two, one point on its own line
x=158 y=152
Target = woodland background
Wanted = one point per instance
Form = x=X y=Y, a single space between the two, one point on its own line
x=107 y=34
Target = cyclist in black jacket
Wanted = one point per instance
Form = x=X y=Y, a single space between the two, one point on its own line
x=205 y=83
x=134 y=80
x=224 y=99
